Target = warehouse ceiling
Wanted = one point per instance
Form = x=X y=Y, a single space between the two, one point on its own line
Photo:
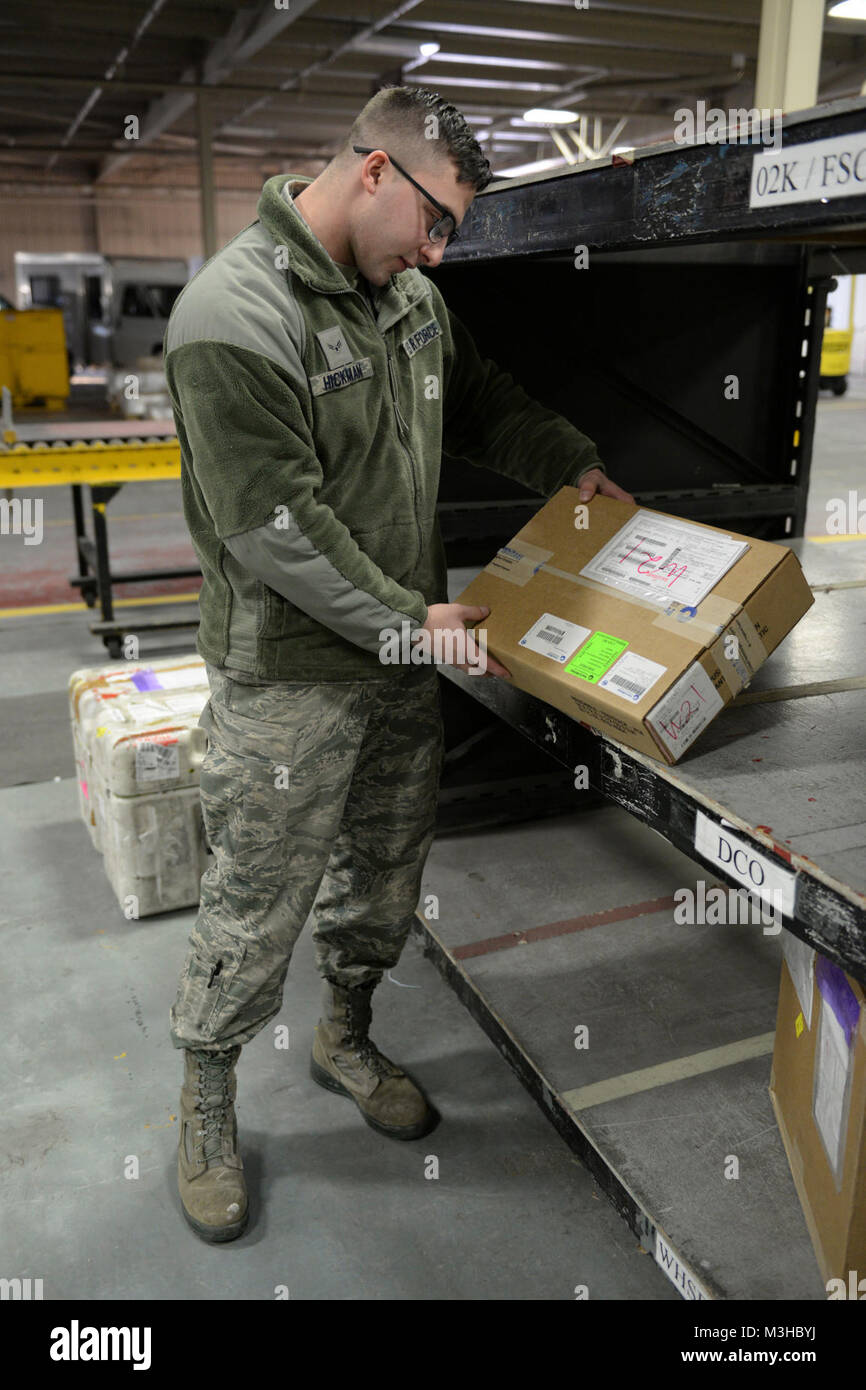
x=105 y=93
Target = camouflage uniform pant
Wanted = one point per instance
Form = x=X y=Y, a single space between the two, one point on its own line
x=326 y=789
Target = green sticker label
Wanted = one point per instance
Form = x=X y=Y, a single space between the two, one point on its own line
x=596 y=656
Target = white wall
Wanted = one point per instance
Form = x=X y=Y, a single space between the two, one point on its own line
x=141 y=222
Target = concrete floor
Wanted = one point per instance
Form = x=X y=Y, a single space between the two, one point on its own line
x=92 y=1078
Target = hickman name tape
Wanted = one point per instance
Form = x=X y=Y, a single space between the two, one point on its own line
x=138 y=751
x=638 y=624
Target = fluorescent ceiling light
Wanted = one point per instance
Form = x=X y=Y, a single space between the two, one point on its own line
x=510 y=138
x=542 y=115
x=536 y=168
x=488 y=82
x=531 y=137
x=400 y=48
x=520 y=123
x=478 y=61
x=428 y=49
x=489 y=31
x=848 y=9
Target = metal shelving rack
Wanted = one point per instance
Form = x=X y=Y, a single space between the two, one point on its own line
x=678 y=260
x=685 y=283
x=684 y=207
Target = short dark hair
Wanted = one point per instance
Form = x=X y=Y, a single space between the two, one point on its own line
x=398 y=120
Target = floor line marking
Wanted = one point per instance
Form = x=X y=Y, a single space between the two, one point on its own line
x=563 y=928
x=82 y=607
x=630 y=1083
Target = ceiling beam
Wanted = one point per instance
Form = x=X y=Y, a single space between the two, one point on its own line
x=253 y=28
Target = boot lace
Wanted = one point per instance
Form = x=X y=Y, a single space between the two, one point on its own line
x=212 y=1102
x=358 y=1016
x=367 y=1052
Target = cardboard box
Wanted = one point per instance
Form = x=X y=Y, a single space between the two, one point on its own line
x=639 y=625
x=818 y=1091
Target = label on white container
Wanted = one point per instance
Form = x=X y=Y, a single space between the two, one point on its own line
x=157 y=762
x=184 y=678
x=188 y=702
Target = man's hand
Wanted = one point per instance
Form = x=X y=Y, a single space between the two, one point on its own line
x=596 y=481
x=444 y=617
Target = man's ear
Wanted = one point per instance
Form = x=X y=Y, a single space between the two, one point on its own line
x=375 y=170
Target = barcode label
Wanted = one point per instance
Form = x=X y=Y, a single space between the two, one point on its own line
x=631 y=686
x=157 y=762
x=551 y=634
x=554 y=637
x=632 y=676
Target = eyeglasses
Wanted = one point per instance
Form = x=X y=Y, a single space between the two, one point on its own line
x=446 y=223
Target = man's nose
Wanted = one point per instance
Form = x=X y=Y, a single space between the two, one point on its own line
x=432 y=252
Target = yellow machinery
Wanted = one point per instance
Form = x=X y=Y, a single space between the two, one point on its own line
x=836 y=352
x=33 y=358
x=100 y=455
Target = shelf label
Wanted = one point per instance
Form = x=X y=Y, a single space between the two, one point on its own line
x=813 y=172
x=757 y=872
x=681 y=1276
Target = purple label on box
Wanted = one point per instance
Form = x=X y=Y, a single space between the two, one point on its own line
x=146 y=680
x=839 y=995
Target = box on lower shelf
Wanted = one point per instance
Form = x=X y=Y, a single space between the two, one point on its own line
x=818 y=1091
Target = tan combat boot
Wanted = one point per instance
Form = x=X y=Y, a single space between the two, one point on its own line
x=346 y=1061
x=210 y=1175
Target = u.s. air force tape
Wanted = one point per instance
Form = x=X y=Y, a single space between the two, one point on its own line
x=341 y=376
x=421 y=337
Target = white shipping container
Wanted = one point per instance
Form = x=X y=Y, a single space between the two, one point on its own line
x=149 y=742
x=154 y=848
x=93 y=693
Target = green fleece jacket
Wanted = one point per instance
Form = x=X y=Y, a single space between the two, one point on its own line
x=312 y=420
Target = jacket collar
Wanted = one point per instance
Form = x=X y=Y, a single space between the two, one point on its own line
x=309 y=260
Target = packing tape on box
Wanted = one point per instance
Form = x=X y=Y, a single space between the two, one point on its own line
x=715 y=611
x=517 y=566
x=719 y=617
x=751 y=653
x=715 y=614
